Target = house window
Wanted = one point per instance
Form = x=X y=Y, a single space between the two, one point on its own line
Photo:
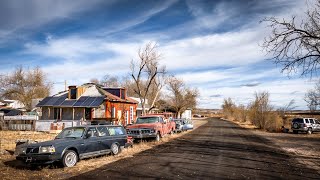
x=56 y=113
x=113 y=112
x=131 y=113
x=73 y=93
x=127 y=117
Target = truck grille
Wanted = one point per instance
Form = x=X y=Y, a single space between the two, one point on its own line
x=139 y=131
x=32 y=150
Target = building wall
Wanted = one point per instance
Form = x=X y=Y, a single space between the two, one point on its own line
x=121 y=111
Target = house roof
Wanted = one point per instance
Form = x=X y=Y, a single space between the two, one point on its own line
x=61 y=99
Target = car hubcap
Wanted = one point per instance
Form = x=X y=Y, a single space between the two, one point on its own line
x=71 y=159
x=115 y=149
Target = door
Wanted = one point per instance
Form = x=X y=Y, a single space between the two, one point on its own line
x=106 y=139
x=88 y=113
x=92 y=143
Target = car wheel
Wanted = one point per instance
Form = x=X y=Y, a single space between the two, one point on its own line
x=295 y=132
x=70 y=158
x=295 y=125
x=115 y=149
x=309 y=131
x=171 y=132
x=158 y=137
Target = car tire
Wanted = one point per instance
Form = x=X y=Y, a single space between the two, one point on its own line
x=296 y=125
x=70 y=158
x=309 y=131
x=115 y=149
x=295 y=132
x=171 y=132
x=158 y=137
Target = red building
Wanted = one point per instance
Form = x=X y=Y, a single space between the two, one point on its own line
x=89 y=102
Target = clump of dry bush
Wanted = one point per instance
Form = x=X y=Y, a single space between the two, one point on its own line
x=259 y=112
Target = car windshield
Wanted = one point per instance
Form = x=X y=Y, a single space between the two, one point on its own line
x=142 y=120
x=75 y=132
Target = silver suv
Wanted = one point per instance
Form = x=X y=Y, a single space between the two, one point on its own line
x=307 y=125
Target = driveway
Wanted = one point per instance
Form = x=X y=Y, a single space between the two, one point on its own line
x=219 y=149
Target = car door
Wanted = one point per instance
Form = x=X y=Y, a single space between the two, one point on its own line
x=92 y=143
x=106 y=139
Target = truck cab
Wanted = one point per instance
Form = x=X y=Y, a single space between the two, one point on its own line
x=151 y=126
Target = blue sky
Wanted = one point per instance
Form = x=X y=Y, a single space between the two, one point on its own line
x=212 y=45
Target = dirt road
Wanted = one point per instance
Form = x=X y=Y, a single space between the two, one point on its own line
x=218 y=149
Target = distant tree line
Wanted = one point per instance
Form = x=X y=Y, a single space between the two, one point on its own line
x=259 y=112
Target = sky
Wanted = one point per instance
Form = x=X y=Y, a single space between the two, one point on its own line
x=212 y=45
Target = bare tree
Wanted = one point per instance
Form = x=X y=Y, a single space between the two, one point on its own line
x=260 y=110
x=25 y=85
x=94 y=80
x=295 y=45
x=146 y=71
x=181 y=96
x=110 y=81
x=288 y=107
x=228 y=108
x=312 y=97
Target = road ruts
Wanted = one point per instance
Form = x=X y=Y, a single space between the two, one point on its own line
x=217 y=150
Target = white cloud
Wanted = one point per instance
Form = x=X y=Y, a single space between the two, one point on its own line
x=225 y=49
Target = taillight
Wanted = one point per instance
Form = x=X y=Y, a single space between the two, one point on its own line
x=129 y=139
x=304 y=125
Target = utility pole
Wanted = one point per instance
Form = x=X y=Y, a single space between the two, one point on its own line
x=65 y=85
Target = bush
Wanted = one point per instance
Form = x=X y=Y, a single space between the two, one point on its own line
x=259 y=112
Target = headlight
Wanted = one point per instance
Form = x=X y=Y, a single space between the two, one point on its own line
x=152 y=131
x=47 y=149
x=20 y=150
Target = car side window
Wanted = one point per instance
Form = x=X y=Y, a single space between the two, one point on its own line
x=307 y=120
x=92 y=132
x=311 y=121
x=103 y=131
x=114 y=131
x=161 y=120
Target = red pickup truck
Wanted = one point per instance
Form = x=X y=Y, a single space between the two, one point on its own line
x=151 y=126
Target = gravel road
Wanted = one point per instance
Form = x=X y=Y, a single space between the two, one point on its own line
x=217 y=150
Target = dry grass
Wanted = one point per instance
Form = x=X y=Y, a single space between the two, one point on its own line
x=8 y=138
x=7 y=172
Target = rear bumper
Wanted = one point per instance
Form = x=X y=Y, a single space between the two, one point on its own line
x=300 y=129
x=39 y=158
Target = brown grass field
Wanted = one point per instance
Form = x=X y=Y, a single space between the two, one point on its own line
x=9 y=169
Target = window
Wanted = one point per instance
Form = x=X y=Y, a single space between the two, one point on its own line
x=73 y=93
x=297 y=120
x=56 y=113
x=311 y=121
x=142 y=120
x=126 y=116
x=93 y=132
x=307 y=120
x=161 y=120
x=113 y=131
x=131 y=113
x=113 y=112
x=103 y=131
